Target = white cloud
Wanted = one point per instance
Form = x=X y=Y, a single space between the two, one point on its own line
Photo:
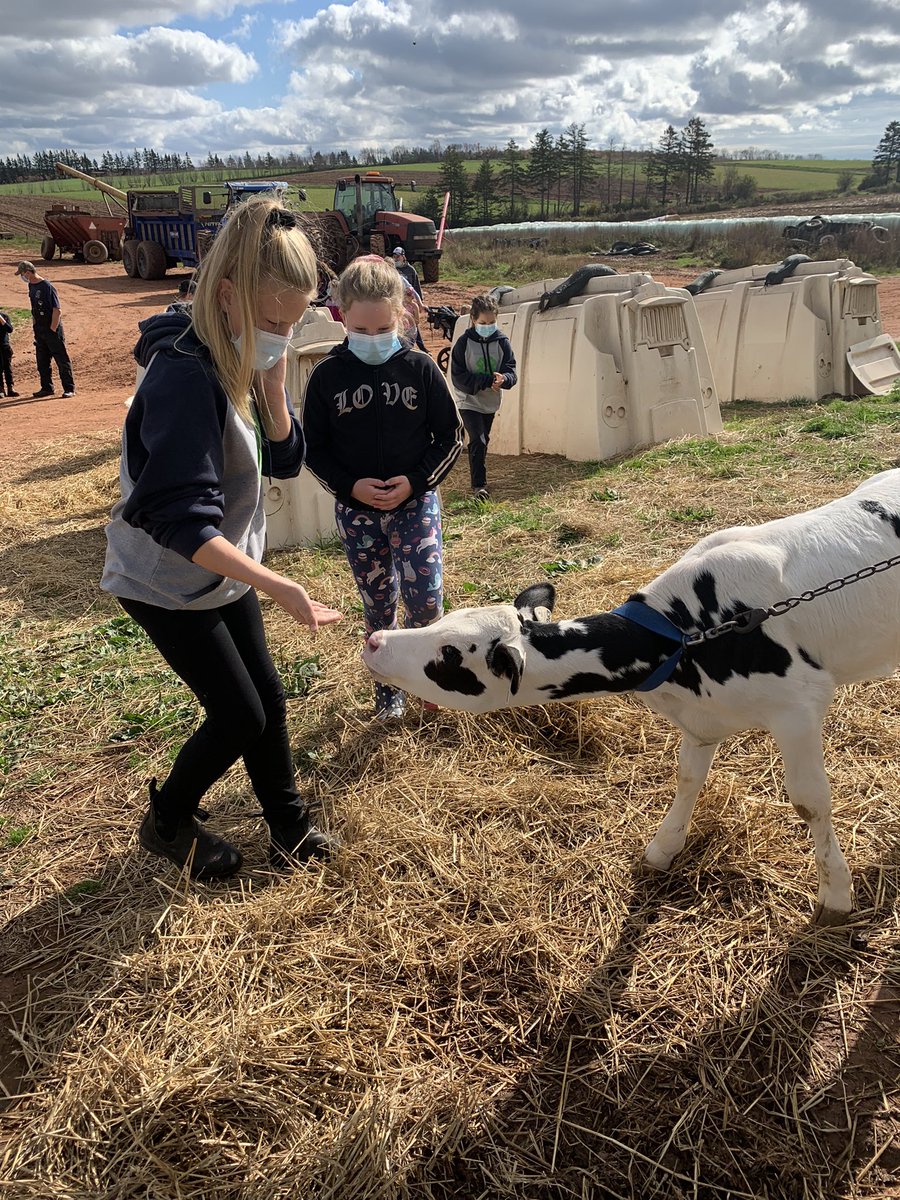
x=383 y=72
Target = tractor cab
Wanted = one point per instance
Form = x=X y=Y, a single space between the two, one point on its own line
x=241 y=190
x=369 y=216
x=361 y=198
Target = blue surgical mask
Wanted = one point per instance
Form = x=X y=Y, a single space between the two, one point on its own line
x=485 y=330
x=374 y=348
x=268 y=349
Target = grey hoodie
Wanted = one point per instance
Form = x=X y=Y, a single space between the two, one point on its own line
x=191 y=470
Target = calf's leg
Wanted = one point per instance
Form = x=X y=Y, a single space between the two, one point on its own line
x=810 y=793
x=694 y=760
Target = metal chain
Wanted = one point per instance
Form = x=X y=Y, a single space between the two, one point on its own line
x=746 y=622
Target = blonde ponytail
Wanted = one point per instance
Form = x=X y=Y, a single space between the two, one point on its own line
x=261 y=245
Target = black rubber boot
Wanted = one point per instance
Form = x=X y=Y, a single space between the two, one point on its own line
x=296 y=841
x=181 y=838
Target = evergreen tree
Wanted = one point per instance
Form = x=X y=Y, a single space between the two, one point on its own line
x=512 y=177
x=662 y=164
x=430 y=205
x=697 y=158
x=887 y=155
x=581 y=166
x=560 y=158
x=455 y=181
x=542 y=170
x=484 y=191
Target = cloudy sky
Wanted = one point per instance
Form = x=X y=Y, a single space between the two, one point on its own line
x=233 y=75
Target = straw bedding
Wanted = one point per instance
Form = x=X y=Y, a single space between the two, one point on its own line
x=483 y=996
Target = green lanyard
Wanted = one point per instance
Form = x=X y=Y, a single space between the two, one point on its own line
x=257 y=432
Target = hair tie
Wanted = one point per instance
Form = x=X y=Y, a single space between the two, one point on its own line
x=281 y=217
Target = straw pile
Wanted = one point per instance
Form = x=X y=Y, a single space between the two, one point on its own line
x=483 y=996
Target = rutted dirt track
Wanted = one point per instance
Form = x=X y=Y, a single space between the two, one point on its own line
x=101 y=309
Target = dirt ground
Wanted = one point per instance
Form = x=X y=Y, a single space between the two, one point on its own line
x=101 y=309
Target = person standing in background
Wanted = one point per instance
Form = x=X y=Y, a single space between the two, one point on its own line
x=6 y=375
x=49 y=337
x=407 y=270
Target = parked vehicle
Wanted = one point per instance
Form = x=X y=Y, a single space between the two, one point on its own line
x=368 y=217
x=92 y=239
x=444 y=318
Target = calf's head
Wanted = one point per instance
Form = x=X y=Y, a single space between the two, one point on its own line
x=472 y=659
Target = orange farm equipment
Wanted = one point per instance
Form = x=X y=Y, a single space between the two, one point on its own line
x=368 y=216
x=90 y=238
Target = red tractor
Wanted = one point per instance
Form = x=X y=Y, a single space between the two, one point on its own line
x=368 y=218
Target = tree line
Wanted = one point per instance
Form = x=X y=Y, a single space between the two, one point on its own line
x=562 y=176
x=33 y=168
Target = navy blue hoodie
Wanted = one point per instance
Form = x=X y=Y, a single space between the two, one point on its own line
x=191 y=470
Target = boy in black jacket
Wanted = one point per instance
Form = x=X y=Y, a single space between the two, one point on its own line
x=481 y=366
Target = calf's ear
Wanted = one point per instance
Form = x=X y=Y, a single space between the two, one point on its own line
x=504 y=659
x=536 y=602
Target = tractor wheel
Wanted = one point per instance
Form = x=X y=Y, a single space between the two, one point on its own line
x=95 y=252
x=443 y=358
x=431 y=270
x=48 y=249
x=151 y=260
x=329 y=241
x=376 y=244
x=129 y=256
x=205 y=238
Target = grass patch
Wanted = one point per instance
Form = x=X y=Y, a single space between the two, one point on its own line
x=691 y=513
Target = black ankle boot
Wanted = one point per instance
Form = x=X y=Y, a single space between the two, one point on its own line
x=175 y=837
x=295 y=841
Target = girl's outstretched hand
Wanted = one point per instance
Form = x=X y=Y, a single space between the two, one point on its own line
x=296 y=601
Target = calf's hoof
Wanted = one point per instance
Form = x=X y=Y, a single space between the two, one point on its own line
x=825 y=917
x=655 y=862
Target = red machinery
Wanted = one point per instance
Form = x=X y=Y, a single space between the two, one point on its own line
x=89 y=237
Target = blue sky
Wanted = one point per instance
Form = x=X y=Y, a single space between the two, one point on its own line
x=801 y=76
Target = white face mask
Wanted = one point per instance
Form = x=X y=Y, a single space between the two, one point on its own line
x=269 y=348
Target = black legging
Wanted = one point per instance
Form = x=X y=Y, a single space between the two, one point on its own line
x=221 y=655
x=478 y=428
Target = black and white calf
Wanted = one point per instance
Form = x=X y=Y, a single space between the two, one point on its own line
x=780 y=677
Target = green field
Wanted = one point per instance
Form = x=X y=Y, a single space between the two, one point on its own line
x=801 y=176
x=810 y=176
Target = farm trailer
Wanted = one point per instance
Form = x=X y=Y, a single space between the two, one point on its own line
x=90 y=238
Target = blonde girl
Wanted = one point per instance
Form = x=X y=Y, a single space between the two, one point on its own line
x=382 y=431
x=210 y=418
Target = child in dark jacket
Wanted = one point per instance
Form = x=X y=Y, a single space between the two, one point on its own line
x=382 y=431
x=481 y=366
x=6 y=356
x=185 y=542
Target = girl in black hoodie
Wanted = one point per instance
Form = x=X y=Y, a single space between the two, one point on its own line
x=382 y=431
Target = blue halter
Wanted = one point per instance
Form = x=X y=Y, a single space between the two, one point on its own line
x=648 y=618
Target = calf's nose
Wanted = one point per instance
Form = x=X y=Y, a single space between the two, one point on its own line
x=374 y=640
